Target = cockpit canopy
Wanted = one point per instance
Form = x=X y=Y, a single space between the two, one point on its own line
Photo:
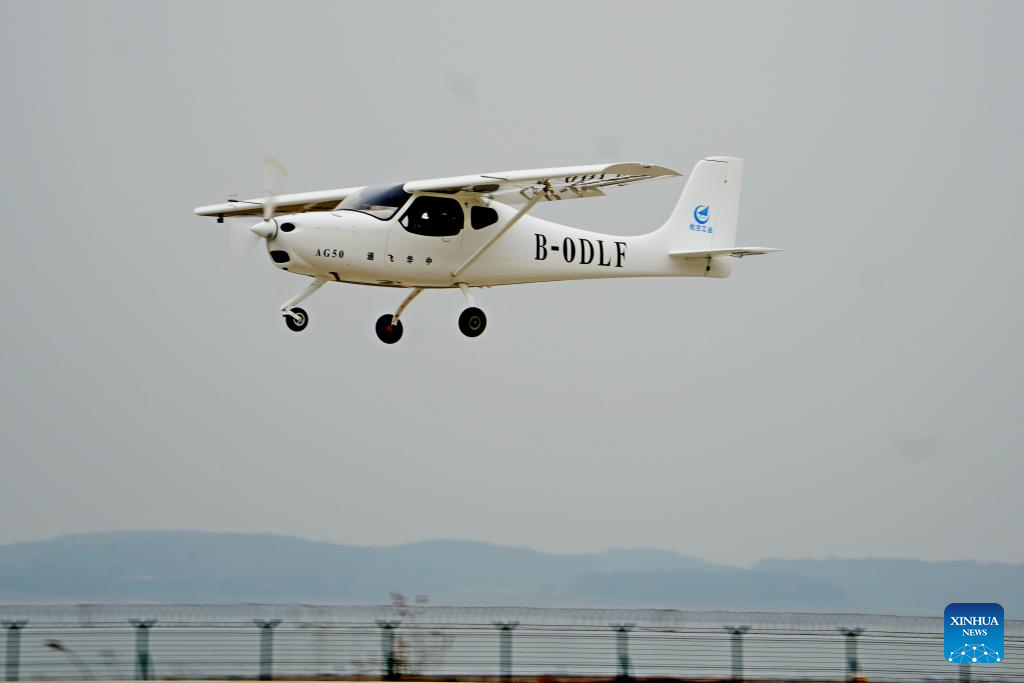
x=379 y=201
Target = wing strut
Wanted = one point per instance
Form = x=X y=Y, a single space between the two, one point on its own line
x=537 y=196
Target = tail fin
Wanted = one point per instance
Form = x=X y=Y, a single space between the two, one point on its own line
x=705 y=217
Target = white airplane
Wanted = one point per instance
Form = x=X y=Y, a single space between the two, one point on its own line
x=475 y=231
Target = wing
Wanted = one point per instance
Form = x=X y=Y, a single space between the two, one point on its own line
x=324 y=200
x=569 y=182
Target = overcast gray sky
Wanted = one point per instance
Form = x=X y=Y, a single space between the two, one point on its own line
x=858 y=395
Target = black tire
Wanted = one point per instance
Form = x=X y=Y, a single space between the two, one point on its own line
x=472 y=322
x=386 y=331
x=297 y=325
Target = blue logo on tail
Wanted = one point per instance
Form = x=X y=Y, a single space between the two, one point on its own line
x=700 y=214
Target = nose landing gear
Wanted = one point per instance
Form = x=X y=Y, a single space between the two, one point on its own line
x=296 y=319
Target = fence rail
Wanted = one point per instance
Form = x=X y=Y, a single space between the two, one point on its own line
x=391 y=643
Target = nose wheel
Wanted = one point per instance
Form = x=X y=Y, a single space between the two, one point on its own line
x=387 y=331
x=296 y=319
x=472 y=322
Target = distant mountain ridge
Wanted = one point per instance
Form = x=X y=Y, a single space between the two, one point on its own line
x=185 y=566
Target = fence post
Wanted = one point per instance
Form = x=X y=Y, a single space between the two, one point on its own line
x=143 y=663
x=267 y=627
x=622 y=649
x=505 y=665
x=13 y=647
x=852 y=662
x=737 y=650
x=391 y=669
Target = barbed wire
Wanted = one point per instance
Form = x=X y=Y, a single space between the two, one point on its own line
x=94 y=613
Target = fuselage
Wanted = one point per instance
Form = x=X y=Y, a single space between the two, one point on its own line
x=353 y=246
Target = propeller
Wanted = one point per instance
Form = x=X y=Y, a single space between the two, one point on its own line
x=273 y=175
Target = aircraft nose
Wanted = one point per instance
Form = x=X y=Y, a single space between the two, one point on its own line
x=265 y=229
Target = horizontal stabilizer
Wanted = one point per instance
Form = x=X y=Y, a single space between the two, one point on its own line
x=738 y=252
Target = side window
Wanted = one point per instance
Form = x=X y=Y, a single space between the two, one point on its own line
x=433 y=217
x=482 y=216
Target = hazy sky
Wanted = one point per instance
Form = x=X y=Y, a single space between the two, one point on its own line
x=859 y=394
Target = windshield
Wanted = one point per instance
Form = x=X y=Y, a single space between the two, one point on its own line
x=379 y=201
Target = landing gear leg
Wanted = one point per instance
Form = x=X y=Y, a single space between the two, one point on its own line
x=294 y=317
x=472 y=321
x=389 y=327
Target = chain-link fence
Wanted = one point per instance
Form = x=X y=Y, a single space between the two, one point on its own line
x=417 y=642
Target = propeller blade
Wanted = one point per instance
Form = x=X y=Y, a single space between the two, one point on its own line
x=274 y=173
x=251 y=241
x=239 y=241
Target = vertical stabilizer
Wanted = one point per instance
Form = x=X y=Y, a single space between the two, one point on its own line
x=705 y=216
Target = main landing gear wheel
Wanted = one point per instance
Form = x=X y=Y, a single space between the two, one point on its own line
x=296 y=325
x=472 y=322
x=387 y=331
